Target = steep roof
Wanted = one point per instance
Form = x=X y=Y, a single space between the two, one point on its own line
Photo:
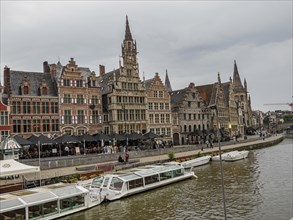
x=177 y=97
x=106 y=78
x=207 y=93
x=34 y=78
x=226 y=89
x=167 y=83
x=148 y=83
x=236 y=78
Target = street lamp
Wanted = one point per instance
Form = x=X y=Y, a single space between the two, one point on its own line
x=220 y=155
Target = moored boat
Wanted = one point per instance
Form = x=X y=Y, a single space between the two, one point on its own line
x=119 y=185
x=238 y=155
x=196 y=162
x=217 y=157
x=47 y=202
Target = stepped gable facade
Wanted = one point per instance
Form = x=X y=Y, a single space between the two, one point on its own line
x=33 y=100
x=159 y=108
x=190 y=116
x=124 y=94
x=80 y=98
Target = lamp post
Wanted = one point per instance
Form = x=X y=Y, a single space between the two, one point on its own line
x=221 y=165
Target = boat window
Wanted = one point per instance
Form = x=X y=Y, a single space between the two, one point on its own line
x=178 y=172
x=116 y=184
x=135 y=183
x=151 y=179
x=106 y=181
x=71 y=203
x=15 y=214
x=166 y=175
x=97 y=182
x=43 y=210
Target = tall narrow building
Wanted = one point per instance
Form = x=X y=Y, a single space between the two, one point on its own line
x=242 y=101
x=124 y=94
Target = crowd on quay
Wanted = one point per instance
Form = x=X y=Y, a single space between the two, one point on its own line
x=86 y=148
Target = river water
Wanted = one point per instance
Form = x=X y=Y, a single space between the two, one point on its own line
x=259 y=187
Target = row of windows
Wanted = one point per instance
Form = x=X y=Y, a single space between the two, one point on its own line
x=195 y=116
x=125 y=115
x=80 y=118
x=67 y=98
x=130 y=86
x=28 y=107
x=130 y=99
x=159 y=118
x=35 y=125
x=190 y=128
x=157 y=106
x=158 y=94
x=161 y=131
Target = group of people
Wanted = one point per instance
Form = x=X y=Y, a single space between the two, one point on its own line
x=121 y=160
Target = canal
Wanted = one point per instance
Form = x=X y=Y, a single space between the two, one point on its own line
x=259 y=187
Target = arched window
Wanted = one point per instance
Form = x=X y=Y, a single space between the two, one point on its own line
x=185 y=128
x=189 y=128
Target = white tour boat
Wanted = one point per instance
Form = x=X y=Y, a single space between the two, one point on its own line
x=217 y=157
x=196 y=162
x=47 y=202
x=118 y=185
x=232 y=156
x=239 y=155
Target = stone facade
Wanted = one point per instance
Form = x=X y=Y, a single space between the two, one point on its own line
x=190 y=116
x=159 y=108
x=124 y=94
x=242 y=101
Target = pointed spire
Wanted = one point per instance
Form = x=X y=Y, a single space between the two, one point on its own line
x=219 y=78
x=236 y=78
x=127 y=31
x=143 y=76
x=167 y=82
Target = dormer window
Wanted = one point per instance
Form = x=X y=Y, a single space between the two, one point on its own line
x=25 y=87
x=25 y=90
x=43 y=88
x=44 y=91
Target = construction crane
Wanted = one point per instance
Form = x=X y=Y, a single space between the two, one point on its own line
x=290 y=104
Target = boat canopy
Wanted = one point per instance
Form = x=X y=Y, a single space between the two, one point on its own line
x=146 y=172
x=20 y=199
x=166 y=168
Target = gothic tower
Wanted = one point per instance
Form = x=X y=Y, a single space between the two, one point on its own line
x=129 y=54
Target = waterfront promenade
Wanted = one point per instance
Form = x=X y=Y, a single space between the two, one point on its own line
x=253 y=142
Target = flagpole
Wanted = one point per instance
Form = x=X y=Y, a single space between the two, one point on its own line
x=39 y=146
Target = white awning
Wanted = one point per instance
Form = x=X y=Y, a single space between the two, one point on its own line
x=12 y=167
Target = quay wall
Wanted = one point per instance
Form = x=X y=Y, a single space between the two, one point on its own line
x=185 y=150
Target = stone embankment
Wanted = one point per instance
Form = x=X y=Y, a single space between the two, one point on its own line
x=86 y=163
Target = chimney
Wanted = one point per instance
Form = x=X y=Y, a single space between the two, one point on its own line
x=46 y=68
x=102 y=70
x=6 y=83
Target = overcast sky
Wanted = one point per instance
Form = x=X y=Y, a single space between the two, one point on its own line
x=193 y=40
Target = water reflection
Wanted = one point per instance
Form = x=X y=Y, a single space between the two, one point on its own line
x=259 y=187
